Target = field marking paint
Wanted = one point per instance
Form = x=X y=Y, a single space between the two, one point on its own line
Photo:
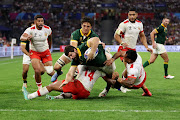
x=8 y=62
x=145 y=111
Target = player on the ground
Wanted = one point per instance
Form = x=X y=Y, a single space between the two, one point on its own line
x=78 y=88
x=134 y=76
x=77 y=54
x=158 y=38
x=41 y=38
x=77 y=38
x=127 y=35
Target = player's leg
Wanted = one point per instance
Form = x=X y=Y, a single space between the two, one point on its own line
x=63 y=60
x=166 y=60
x=49 y=68
x=44 y=90
x=151 y=60
x=37 y=69
x=24 y=74
x=26 y=62
x=146 y=91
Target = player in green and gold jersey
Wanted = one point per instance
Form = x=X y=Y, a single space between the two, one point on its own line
x=77 y=38
x=158 y=46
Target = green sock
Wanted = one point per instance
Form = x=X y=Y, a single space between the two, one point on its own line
x=146 y=64
x=166 y=68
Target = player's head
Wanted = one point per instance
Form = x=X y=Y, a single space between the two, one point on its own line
x=71 y=52
x=31 y=23
x=130 y=56
x=132 y=14
x=165 y=21
x=39 y=21
x=86 y=25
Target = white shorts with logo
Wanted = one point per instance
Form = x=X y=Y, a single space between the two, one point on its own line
x=160 y=49
x=26 y=59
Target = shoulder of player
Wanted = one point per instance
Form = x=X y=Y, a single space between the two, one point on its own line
x=46 y=27
x=32 y=27
x=76 y=31
x=125 y=21
x=138 y=21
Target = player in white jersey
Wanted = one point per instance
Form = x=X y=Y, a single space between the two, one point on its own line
x=79 y=88
x=127 y=35
x=134 y=76
x=40 y=38
x=128 y=31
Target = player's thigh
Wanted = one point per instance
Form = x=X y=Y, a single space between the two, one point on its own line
x=165 y=56
x=153 y=57
x=35 y=63
x=48 y=63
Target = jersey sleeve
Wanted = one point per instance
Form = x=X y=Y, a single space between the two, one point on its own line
x=159 y=29
x=28 y=31
x=121 y=28
x=94 y=34
x=141 y=28
x=49 y=31
x=74 y=36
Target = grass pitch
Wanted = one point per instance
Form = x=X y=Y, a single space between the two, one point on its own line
x=163 y=105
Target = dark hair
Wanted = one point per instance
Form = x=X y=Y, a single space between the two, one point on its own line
x=37 y=16
x=68 y=49
x=29 y=24
x=131 y=54
x=133 y=9
x=166 y=17
x=87 y=19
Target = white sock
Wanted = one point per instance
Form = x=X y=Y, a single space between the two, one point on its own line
x=40 y=92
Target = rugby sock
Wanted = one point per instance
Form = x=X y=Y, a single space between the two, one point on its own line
x=166 y=68
x=40 y=92
x=146 y=63
x=39 y=85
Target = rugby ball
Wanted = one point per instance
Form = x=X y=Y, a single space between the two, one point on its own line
x=88 y=51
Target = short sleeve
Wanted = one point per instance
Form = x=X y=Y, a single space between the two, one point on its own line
x=141 y=27
x=49 y=31
x=28 y=31
x=74 y=37
x=121 y=28
x=159 y=29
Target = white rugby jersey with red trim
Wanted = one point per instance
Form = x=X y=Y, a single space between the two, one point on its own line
x=39 y=41
x=129 y=32
x=136 y=70
x=88 y=75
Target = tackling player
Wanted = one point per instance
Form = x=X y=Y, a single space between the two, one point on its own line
x=41 y=38
x=158 y=38
x=134 y=76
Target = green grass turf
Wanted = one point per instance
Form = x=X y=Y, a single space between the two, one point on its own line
x=163 y=105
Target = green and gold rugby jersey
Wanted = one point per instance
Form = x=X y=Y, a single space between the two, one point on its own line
x=161 y=34
x=80 y=37
x=26 y=43
x=98 y=61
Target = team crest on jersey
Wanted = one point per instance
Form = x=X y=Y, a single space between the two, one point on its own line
x=80 y=38
x=45 y=34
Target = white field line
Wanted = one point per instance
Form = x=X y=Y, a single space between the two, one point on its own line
x=8 y=62
x=136 y=111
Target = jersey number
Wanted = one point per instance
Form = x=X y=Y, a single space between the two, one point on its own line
x=90 y=75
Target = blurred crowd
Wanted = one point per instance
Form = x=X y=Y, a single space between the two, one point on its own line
x=62 y=16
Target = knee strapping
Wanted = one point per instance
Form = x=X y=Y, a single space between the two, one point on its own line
x=49 y=69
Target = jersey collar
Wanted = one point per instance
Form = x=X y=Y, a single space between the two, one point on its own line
x=79 y=52
x=163 y=25
x=83 y=34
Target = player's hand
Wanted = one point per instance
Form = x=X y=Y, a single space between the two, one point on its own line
x=90 y=56
x=103 y=44
x=154 y=45
x=109 y=62
x=149 y=50
x=63 y=84
x=115 y=75
x=124 y=45
x=29 y=37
